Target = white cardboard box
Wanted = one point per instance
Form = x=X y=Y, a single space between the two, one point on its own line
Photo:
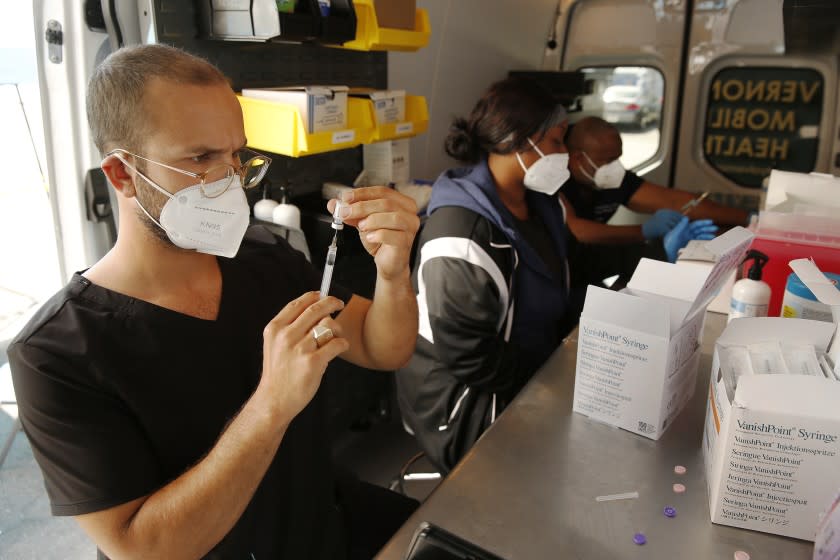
x=388 y=105
x=322 y=108
x=826 y=292
x=827 y=543
x=772 y=450
x=638 y=349
x=803 y=193
x=387 y=162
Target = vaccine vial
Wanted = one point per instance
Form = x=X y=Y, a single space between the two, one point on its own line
x=337 y=220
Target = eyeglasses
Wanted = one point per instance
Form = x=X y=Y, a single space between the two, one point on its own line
x=216 y=180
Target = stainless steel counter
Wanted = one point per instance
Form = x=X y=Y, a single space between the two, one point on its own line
x=527 y=489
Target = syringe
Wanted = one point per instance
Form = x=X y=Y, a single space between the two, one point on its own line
x=337 y=224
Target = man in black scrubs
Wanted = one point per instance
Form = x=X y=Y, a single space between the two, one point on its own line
x=170 y=391
x=599 y=184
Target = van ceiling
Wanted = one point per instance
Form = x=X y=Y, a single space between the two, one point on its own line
x=811 y=25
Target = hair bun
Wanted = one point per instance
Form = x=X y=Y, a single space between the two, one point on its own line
x=461 y=144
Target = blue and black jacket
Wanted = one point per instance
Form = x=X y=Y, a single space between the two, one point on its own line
x=491 y=311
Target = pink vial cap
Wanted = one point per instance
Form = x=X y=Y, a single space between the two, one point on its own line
x=679 y=469
x=679 y=488
x=741 y=555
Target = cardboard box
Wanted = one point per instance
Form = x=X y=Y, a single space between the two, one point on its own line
x=638 y=349
x=814 y=194
x=387 y=162
x=772 y=450
x=827 y=543
x=826 y=292
x=695 y=255
x=388 y=105
x=398 y=14
x=322 y=108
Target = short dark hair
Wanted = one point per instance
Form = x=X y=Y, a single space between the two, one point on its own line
x=509 y=112
x=116 y=89
x=588 y=129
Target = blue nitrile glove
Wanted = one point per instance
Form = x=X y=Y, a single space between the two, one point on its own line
x=702 y=230
x=660 y=223
x=676 y=239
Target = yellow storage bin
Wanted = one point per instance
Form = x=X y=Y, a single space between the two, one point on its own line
x=371 y=37
x=416 y=121
x=278 y=128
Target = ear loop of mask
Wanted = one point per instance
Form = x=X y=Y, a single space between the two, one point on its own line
x=152 y=183
x=594 y=167
x=519 y=158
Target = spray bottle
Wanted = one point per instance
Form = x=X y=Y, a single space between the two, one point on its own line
x=751 y=295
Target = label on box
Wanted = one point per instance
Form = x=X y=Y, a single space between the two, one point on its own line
x=770 y=469
x=612 y=368
x=405 y=128
x=343 y=136
x=326 y=114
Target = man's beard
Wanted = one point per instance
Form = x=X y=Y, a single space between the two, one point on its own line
x=153 y=201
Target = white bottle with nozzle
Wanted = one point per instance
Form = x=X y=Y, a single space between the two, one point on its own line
x=264 y=208
x=286 y=214
x=751 y=295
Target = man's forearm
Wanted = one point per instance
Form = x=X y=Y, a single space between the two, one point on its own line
x=390 y=327
x=190 y=515
x=722 y=215
x=596 y=233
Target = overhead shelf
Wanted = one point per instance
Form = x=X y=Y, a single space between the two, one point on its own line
x=278 y=127
x=371 y=37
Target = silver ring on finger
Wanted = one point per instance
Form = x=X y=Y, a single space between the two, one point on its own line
x=322 y=335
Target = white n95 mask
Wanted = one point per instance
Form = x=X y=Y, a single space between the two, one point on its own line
x=607 y=176
x=214 y=226
x=548 y=173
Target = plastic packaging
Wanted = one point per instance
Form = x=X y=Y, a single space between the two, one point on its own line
x=767 y=358
x=750 y=295
x=801 y=359
x=800 y=303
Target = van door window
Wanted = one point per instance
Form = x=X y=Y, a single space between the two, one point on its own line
x=630 y=97
x=762 y=118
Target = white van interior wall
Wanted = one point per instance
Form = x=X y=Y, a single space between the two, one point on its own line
x=473 y=44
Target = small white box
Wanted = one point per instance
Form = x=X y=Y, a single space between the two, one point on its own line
x=772 y=450
x=638 y=349
x=387 y=162
x=827 y=543
x=322 y=108
x=803 y=193
x=388 y=105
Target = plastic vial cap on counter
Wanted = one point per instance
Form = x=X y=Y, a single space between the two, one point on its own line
x=639 y=538
x=679 y=488
x=669 y=511
x=679 y=469
x=741 y=555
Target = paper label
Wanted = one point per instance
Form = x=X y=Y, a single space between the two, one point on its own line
x=343 y=136
x=405 y=128
x=619 y=376
x=773 y=471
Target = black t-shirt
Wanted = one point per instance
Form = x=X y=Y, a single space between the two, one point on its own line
x=600 y=204
x=118 y=397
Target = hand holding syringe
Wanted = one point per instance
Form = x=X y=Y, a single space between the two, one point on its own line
x=337 y=224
